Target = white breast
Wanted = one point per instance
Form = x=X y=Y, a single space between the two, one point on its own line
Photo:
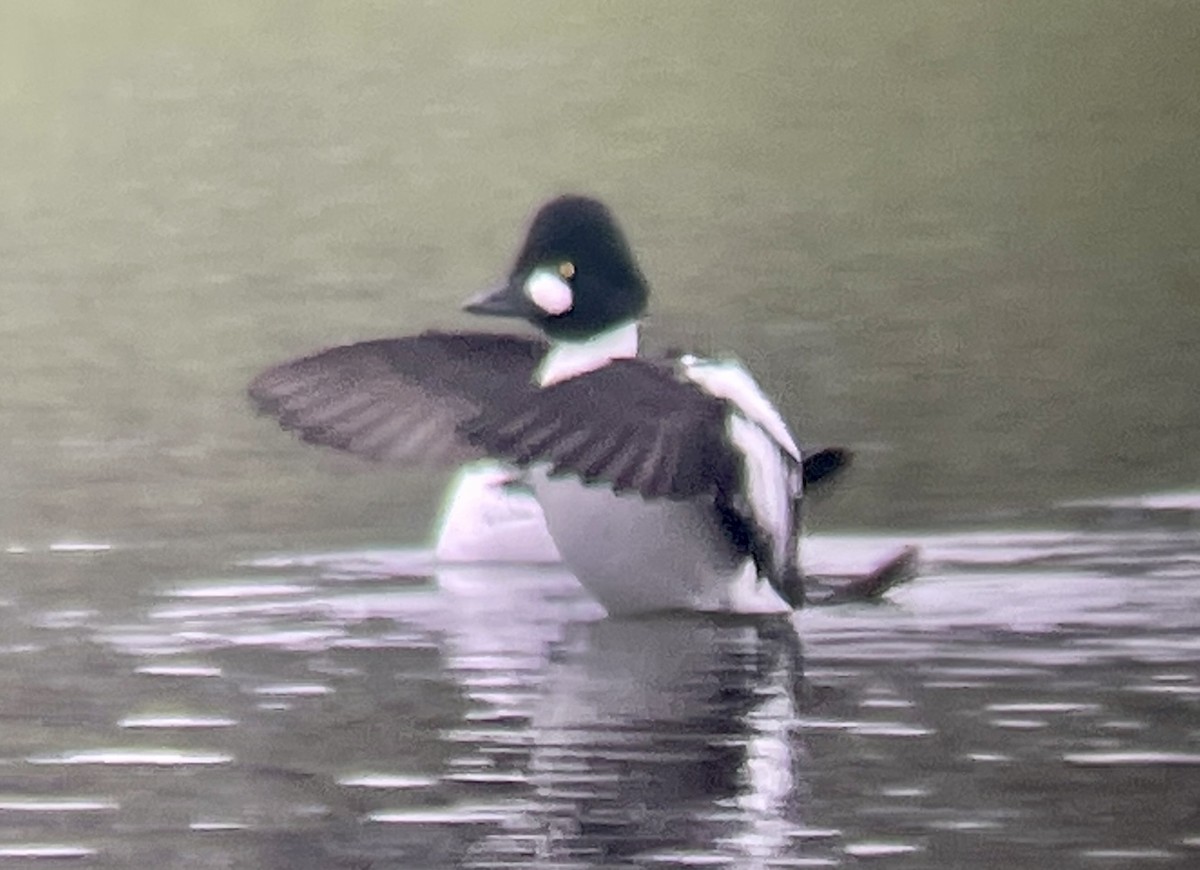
x=635 y=555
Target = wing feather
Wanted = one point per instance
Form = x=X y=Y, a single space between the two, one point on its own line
x=632 y=424
x=400 y=399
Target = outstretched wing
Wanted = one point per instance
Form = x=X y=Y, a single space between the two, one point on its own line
x=399 y=399
x=632 y=425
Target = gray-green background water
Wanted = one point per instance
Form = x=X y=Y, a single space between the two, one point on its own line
x=960 y=237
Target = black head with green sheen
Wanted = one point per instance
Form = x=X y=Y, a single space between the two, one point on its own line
x=574 y=277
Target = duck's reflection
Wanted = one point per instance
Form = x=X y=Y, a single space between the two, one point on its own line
x=588 y=741
x=667 y=734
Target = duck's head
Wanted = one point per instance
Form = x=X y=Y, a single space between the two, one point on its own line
x=574 y=277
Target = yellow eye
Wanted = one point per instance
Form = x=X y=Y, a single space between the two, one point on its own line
x=567 y=269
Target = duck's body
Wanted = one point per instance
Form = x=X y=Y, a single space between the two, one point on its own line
x=665 y=484
x=638 y=555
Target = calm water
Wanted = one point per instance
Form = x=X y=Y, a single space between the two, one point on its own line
x=960 y=237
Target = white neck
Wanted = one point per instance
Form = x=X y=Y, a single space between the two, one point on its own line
x=568 y=359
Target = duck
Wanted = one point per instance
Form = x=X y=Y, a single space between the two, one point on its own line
x=665 y=482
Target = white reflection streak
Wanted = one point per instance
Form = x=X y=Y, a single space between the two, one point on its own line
x=768 y=774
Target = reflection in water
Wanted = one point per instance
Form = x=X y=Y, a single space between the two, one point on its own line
x=1030 y=691
x=648 y=737
x=670 y=734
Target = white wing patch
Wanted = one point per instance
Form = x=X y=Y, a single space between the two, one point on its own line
x=768 y=480
x=728 y=379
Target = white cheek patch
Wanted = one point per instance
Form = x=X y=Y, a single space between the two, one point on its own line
x=549 y=292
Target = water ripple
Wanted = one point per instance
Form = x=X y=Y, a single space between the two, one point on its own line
x=51 y=851
x=1133 y=758
x=123 y=757
x=21 y=804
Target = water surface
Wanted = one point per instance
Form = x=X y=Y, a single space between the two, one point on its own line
x=1029 y=694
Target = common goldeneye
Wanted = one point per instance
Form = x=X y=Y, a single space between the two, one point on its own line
x=665 y=483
